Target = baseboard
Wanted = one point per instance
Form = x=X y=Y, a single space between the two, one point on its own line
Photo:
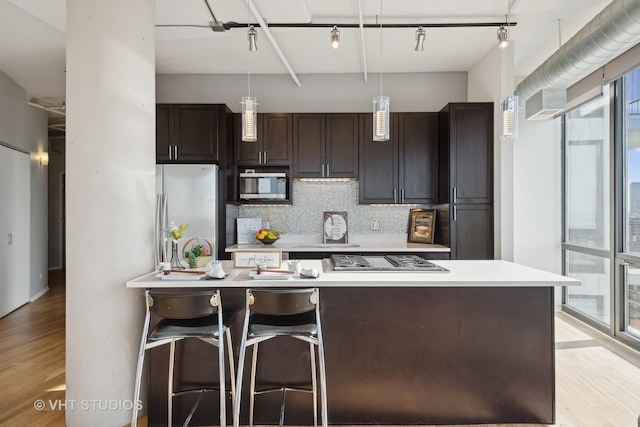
x=39 y=294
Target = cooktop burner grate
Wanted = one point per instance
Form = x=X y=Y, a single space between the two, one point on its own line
x=344 y=262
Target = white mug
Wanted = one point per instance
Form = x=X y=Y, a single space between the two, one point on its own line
x=215 y=269
x=164 y=266
x=295 y=266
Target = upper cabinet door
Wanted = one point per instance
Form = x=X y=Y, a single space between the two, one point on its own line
x=309 y=147
x=189 y=133
x=466 y=151
x=325 y=145
x=378 y=163
x=418 y=168
x=277 y=140
x=247 y=153
x=341 y=145
x=196 y=132
x=164 y=132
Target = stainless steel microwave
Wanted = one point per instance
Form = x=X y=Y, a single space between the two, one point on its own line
x=263 y=186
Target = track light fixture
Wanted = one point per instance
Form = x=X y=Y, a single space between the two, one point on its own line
x=335 y=37
x=420 y=33
x=503 y=40
x=252 y=35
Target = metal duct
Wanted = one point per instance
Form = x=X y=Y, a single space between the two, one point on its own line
x=612 y=32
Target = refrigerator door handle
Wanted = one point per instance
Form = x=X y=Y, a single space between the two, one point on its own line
x=156 y=232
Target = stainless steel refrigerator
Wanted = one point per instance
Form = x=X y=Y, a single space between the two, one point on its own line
x=186 y=194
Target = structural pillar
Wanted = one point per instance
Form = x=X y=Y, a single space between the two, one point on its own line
x=110 y=197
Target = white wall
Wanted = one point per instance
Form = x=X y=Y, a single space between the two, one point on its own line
x=538 y=195
x=488 y=81
x=340 y=93
x=25 y=128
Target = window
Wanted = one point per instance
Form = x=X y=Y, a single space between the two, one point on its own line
x=587 y=206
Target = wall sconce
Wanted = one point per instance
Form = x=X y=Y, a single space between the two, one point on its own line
x=44 y=159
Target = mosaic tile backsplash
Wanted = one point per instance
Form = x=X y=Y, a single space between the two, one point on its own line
x=311 y=199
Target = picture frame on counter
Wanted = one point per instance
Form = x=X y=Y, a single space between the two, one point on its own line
x=422 y=224
x=250 y=259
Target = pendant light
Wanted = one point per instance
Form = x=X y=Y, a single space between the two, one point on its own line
x=249 y=103
x=508 y=105
x=381 y=103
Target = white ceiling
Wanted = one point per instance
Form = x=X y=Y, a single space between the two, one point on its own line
x=32 y=51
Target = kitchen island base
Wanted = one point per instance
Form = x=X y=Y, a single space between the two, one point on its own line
x=398 y=356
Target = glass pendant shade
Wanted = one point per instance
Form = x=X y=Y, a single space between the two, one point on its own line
x=249 y=119
x=509 y=117
x=381 y=118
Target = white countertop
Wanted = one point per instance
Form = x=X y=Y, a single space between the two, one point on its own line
x=363 y=246
x=489 y=273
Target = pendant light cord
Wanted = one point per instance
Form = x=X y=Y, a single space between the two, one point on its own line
x=249 y=55
x=380 y=47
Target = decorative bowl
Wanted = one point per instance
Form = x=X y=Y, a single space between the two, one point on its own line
x=267 y=241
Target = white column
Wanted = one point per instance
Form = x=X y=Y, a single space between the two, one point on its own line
x=110 y=183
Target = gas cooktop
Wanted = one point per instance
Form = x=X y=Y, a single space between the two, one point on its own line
x=346 y=262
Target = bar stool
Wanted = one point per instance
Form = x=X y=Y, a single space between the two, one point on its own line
x=282 y=312
x=189 y=314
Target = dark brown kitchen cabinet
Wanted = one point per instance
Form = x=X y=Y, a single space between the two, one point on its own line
x=466 y=153
x=275 y=141
x=465 y=220
x=467 y=229
x=403 y=169
x=325 y=145
x=191 y=133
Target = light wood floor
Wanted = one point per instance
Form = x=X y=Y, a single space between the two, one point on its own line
x=597 y=379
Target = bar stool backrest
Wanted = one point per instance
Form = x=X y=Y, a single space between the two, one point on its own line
x=279 y=302
x=183 y=305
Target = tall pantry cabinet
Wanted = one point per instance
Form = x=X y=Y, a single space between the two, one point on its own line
x=14 y=229
x=466 y=179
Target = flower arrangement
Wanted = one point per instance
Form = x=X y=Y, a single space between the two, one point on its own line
x=175 y=232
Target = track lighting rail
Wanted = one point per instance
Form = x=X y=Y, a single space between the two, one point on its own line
x=218 y=26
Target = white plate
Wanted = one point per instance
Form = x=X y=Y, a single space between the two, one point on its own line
x=265 y=275
x=180 y=276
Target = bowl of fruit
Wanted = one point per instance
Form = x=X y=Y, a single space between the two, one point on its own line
x=267 y=237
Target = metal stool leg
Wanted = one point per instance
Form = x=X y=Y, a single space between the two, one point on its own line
x=231 y=370
x=314 y=385
x=252 y=394
x=241 y=356
x=222 y=381
x=172 y=354
x=323 y=372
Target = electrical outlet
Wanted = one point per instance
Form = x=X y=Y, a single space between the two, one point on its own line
x=375 y=224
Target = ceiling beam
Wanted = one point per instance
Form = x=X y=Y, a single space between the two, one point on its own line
x=364 y=56
x=265 y=28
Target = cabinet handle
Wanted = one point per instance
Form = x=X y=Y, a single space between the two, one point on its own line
x=10 y=239
x=323 y=165
x=402 y=195
x=328 y=173
x=455 y=213
x=395 y=198
x=454 y=197
x=259 y=157
x=175 y=152
x=265 y=158
x=170 y=154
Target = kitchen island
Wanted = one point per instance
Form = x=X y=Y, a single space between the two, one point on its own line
x=471 y=345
